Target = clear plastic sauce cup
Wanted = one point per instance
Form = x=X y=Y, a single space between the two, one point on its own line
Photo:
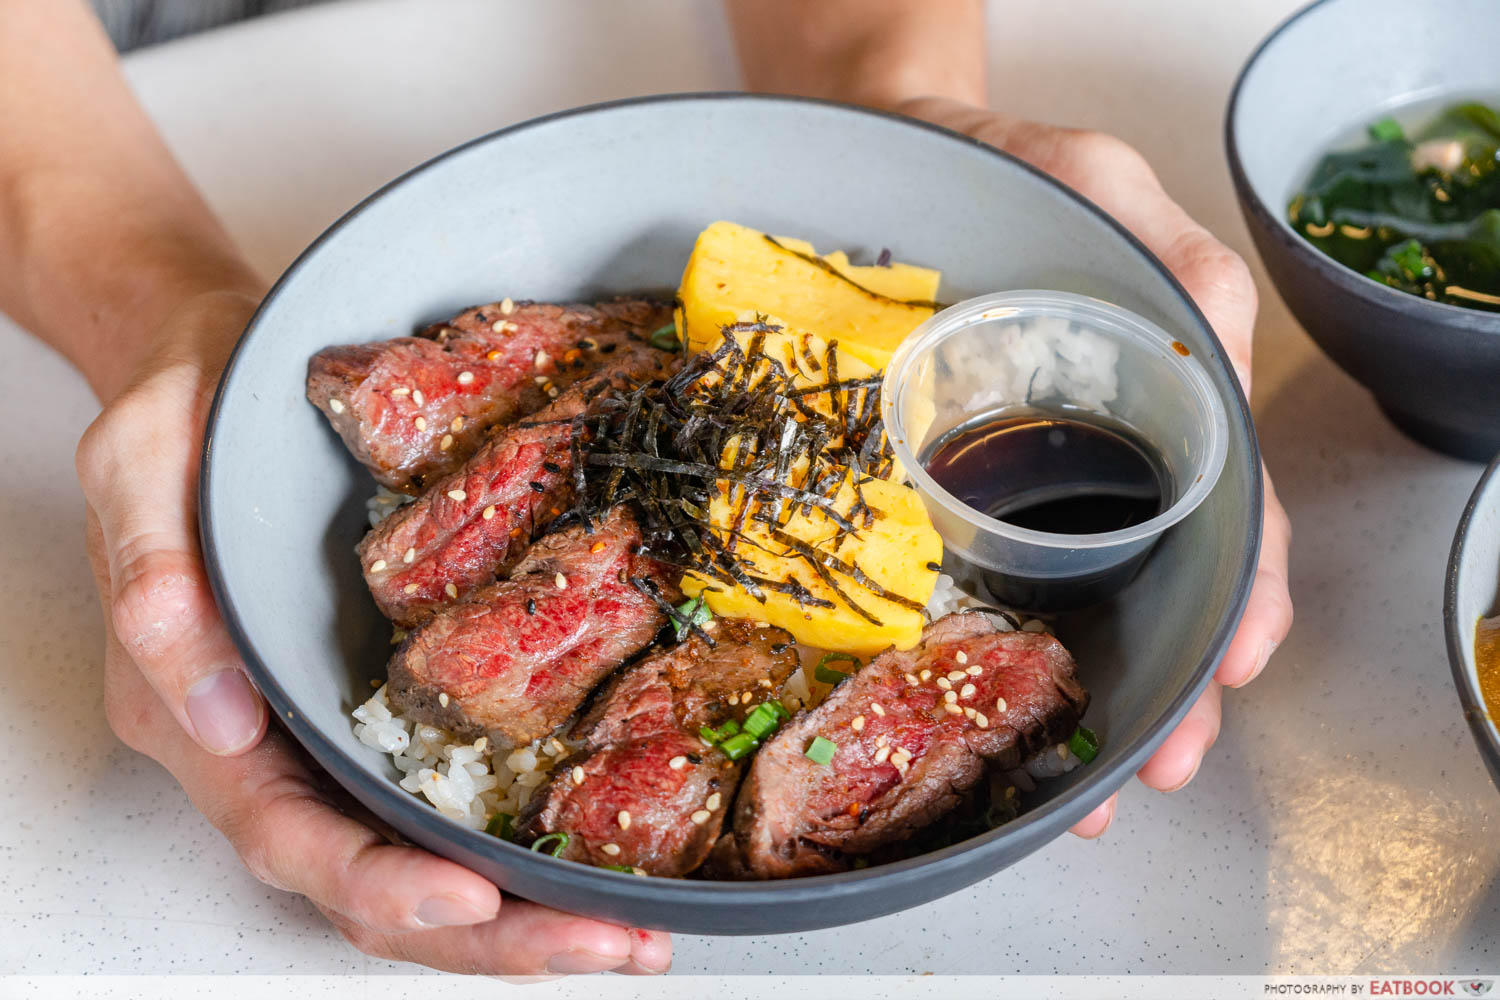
x=1060 y=353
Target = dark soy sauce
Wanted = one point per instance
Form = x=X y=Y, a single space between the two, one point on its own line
x=1065 y=472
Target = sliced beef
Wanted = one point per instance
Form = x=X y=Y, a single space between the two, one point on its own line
x=644 y=791
x=413 y=409
x=906 y=752
x=472 y=525
x=515 y=659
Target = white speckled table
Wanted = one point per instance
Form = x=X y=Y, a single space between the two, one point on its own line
x=1343 y=824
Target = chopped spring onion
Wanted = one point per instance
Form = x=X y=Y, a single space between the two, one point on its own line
x=738 y=745
x=666 y=338
x=708 y=735
x=728 y=729
x=1386 y=130
x=823 y=674
x=820 y=751
x=627 y=869
x=779 y=709
x=1084 y=744
x=501 y=825
x=695 y=614
x=545 y=841
x=762 y=721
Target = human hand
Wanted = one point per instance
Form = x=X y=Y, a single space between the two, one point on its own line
x=1116 y=178
x=176 y=690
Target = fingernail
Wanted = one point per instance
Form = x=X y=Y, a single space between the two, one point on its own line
x=225 y=711
x=1266 y=649
x=574 y=963
x=449 y=911
x=1184 y=782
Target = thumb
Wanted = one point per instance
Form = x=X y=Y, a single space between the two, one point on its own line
x=138 y=467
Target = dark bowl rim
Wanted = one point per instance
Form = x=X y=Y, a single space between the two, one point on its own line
x=1475 y=711
x=1414 y=307
x=337 y=755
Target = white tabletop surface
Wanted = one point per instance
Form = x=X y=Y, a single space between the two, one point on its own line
x=1344 y=823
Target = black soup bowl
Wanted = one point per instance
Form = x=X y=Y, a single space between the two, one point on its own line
x=607 y=200
x=1337 y=65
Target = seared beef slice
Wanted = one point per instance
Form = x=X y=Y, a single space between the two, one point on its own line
x=644 y=791
x=413 y=409
x=915 y=731
x=473 y=524
x=516 y=658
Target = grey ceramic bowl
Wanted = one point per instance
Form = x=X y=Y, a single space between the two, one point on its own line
x=1473 y=592
x=609 y=199
x=1333 y=66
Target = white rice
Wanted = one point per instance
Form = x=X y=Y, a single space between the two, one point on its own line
x=470 y=784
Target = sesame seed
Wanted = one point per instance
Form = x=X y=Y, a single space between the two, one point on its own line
x=421 y=423
x=417 y=397
x=902 y=754
x=410 y=588
x=882 y=740
x=457 y=425
x=377 y=566
x=677 y=763
x=1062 y=751
x=464 y=378
x=765 y=682
x=900 y=765
x=961 y=656
x=974 y=671
x=457 y=495
x=981 y=720
x=489 y=512
x=954 y=709
x=588 y=343
x=858 y=724
x=552 y=391
x=637 y=870
x=561 y=581
x=1010 y=791
x=967 y=691
x=1034 y=626
x=911 y=679
x=610 y=849
x=556 y=747
x=446 y=442
x=950 y=697
x=507 y=306
x=336 y=405
x=713 y=801
x=1000 y=705
x=503 y=326
x=409 y=555
x=745 y=698
x=482 y=744
x=597 y=547
x=877 y=709
x=443 y=698
x=492 y=356
x=541 y=359
x=956 y=675
x=401 y=390
x=623 y=819
x=925 y=675
x=945 y=684
x=700 y=817
x=450 y=590
x=882 y=754
x=577 y=775
x=969 y=713
x=541 y=379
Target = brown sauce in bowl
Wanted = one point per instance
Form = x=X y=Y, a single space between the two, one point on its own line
x=1487 y=663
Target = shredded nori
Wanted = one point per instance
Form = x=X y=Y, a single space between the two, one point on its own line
x=733 y=424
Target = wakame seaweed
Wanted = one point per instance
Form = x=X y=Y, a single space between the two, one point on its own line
x=1419 y=213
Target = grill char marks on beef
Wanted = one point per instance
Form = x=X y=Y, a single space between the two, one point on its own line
x=631 y=796
x=796 y=817
x=516 y=658
x=472 y=525
x=462 y=378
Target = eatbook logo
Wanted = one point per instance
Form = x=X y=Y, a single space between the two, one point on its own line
x=1476 y=987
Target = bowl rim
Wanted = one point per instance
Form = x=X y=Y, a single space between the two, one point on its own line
x=1031 y=830
x=1461 y=638
x=1416 y=308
